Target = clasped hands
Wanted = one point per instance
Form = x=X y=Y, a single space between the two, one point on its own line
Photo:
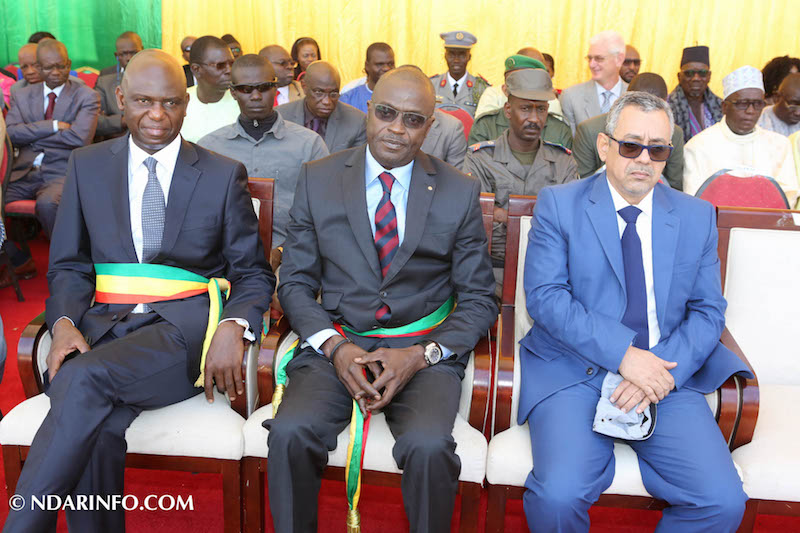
x=393 y=368
x=647 y=380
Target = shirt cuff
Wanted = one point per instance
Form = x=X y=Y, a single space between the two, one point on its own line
x=55 y=126
x=318 y=339
x=62 y=318
x=248 y=333
x=447 y=353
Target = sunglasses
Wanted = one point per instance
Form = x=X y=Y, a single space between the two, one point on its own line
x=743 y=105
x=703 y=73
x=260 y=87
x=285 y=63
x=635 y=62
x=187 y=49
x=411 y=120
x=220 y=66
x=631 y=150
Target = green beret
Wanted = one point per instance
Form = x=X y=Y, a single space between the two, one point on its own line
x=517 y=62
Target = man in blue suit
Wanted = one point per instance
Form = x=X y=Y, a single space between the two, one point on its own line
x=622 y=276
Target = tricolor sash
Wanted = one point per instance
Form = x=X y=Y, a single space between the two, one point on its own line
x=145 y=283
x=359 y=424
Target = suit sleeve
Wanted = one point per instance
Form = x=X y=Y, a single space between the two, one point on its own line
x=698 y=335
x=584 y=150
x=361 y=138
x=252 y=280
x=21 y=132
x=566 y=109
x=473 y=283
x=81 y=130
x=107 y=124
x=549 y=299
x=318 y=149
x=474 y=169
x=70 y=277
x=457 y=146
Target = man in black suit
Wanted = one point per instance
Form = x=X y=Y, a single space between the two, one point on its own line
x=388 y=234
x=149 y=197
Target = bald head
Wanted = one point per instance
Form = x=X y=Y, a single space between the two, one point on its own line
x=52 y=62
x=531 y=52
x=649 y=82
x=322 y=72
x=321 y=85
x=787 y=104
x=27 y=63
x=48 y=45
x=186 y=46
x=281 y=62
x=252 y=61
x=413 y=79
x=150 y=62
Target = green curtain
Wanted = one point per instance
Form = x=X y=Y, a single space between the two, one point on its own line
x=88 y=28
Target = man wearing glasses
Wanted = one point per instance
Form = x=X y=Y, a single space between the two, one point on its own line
x=784 y=116
x=211 y=104
x=693 y=104
x=266 y=144
x=110 y=123
x=594 y=97
x=736 y=144
x=630 y=67
x=622 y=281
x=388 y=235
x=289 y=89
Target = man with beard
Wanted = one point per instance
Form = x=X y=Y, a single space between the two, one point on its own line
x=341 y=125
x=379 y=61
x=519 y=161
x=211 y=105
x=289 y=89
x=693 y=104
x=457 y=86
x=784 y=116
x=736 y=144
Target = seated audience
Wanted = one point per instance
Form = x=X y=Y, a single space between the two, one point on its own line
x=46 y=123
x=134 y=202
x=457 y=87
x=519 y=161
x=774 y=72
x=446 y=139
x=186 y=48
x=694 y=106
x=30 y=74
x=622 y=281
x=305 y=51
x=263 y=141
x=784 y=116
x=211 y=105
x=379 y=61
x=737 y=144
x=233 y=44
x=594 y=97
x=289 y=89
x=110 y=123
x=341 y=125
x=492 y=124
x=387 y=267
x=630 y=67
x=584 y=149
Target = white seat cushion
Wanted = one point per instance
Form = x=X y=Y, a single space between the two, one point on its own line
x=191 y=428
x=771 y=463
x=470 y=445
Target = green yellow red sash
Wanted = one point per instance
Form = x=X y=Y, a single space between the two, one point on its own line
x=145 y=283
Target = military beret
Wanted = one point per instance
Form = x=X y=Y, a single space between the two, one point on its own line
x=458 y=39
x=519 y=61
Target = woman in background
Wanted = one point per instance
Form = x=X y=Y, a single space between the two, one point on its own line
x=305 y=51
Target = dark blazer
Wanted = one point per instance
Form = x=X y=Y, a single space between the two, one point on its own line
x=330 y=247
x=347 y=126
x=111 y=69
x=210 y=229
x=32 y=134
x=109 y=122
x=187 y=70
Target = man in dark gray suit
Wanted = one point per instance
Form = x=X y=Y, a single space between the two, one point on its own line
x=388 y=235
x=110 y=123
x=342 y=126
x=446 y=139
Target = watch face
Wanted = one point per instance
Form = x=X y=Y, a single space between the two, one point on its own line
x=433 y=353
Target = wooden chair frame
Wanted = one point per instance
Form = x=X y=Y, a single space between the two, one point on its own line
x=737 y=398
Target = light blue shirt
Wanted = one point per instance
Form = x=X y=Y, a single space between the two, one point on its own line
x=357 y=97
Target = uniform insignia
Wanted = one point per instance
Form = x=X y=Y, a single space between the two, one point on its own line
x=559 y=146
x=469 y=83
x=478 y=76
x=477 y=146
x=443 y=82
x=459 y=36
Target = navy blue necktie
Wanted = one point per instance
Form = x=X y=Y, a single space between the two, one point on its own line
x=636 y=312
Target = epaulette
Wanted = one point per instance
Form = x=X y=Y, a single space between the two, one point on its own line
x=478 y=76
x=560 y=146
x=477 y=146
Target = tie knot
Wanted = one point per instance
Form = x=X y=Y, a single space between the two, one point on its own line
x=630 y=214
x=150 y=163
x=387 y=180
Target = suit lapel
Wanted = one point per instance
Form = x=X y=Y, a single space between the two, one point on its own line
x=332 y=126
x=665 y=242
x=355 y=202
x=64 y=100
x=604 y=219
x=593 y=107
x=184 y=180
x=420 y=196
x=120 y=199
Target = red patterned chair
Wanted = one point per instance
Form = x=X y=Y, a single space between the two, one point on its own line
x=724 y=189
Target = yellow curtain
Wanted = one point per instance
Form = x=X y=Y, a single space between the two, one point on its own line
x=739 y=32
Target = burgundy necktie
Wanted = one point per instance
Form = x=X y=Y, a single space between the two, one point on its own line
x=48 y=115
x=386 y=238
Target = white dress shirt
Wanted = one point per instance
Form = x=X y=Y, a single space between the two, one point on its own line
x=283 y=95
x=47 y=90
x=461 y=81
x=644 y=227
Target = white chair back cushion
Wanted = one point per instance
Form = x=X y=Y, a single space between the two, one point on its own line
x=256 y=206
x=762 y=281
x=42 y=349
x=522 y=320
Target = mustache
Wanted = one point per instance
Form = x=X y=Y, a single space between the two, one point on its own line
x=640 y=168
x=532 y=127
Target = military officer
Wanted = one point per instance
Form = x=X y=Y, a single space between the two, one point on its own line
x=519 y=161
x=491 y=124
x=457 y=86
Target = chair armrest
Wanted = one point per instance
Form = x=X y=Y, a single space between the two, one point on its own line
x=504 y=371
x=266 y=360
x=748 y=397
x=480 y=406
x=245 y=405
x=27 y=362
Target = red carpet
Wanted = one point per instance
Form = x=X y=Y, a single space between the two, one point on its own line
x=382 y=508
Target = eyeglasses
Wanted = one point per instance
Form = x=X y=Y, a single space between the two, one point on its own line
x=126 y=53
x=744 y=105
x=286 y=63
x=260 y=87
x=187 y=49
x=319 y=94
x=635 y=62
x=222 y=65
x=691 y=73
x=631 y=150
x=597 y=59
x=411 y=120
x=235 y=49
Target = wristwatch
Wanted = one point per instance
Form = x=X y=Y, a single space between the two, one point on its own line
x=433 y=352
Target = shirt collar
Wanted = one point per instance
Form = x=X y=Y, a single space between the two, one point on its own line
x=616 y=89
x=645 y=205
x=57 y=90
x=278 y=129
x=373 y=169
x=167 y=156
x=460 y=81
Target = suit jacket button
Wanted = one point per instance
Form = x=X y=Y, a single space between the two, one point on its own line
x=114 y=317
x=383 y=294
x=589 y=371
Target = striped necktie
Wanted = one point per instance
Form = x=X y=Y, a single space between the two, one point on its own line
x=607 y=96
x=386 y=238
